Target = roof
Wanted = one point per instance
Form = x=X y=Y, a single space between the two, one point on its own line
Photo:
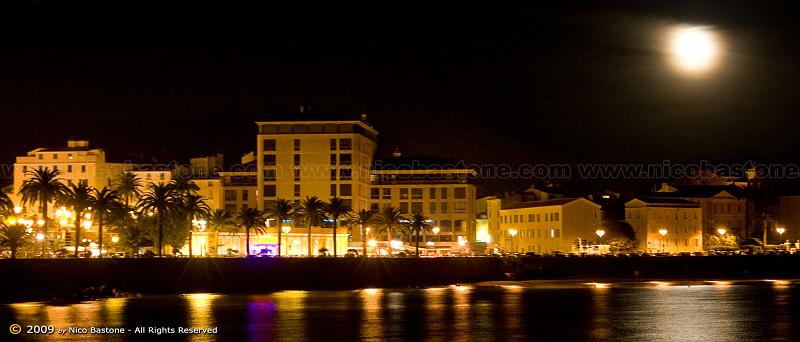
x=417 y=163
x=700 y=191
x=309 y=116
x=545 y=203
x=657 y=201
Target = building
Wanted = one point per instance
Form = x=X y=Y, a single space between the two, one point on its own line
x=671 y=225
x=542 y=226
x=723 y=206
x=435 y=187
x=299 y=156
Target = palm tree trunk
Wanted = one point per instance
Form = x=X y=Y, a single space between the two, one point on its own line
x=44 y=228
x=100 y=235
x=13 y=251
x=335 y=226
x=309 y=241
x=364 y=240
x=279 y=239
x=389 y=239
x=160 y=235
x=190 y=238
x=247 y=239
x=77 y=235
x=417 y=244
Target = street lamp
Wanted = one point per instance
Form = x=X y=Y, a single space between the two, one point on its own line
x=722 y=231
x=373 y=244
x=435 y=231
x=600 y=233
x=513 y=232
x=663 y=232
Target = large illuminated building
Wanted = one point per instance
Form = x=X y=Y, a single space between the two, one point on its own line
x=542 y=226
x=723 y=206
x=435 y=187
x=670 y=225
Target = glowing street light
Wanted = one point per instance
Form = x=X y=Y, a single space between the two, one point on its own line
x=40 y=237
x=286 y=229
x=17 y=210
x=600 y=233
x=513 y=232
x=722 y=231
x=663 y=231
x=40 y=222
x=115 y=239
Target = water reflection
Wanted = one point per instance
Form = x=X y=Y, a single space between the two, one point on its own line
x=702 y=311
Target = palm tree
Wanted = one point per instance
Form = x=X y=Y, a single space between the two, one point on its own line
x=193 y=206
x=417 y=223
x=6 y=204
x=103 y=201
x=217 y=221
x=282 y=210
x=41 y=186
x=389 y=221
x=79 y=197
x=250 y=219
x=13 y=237
x=162 y=201
x=362 y=219
x=128 y=185
x=335 y=209
x=311 y=210
x=128 y=226
x=183 y=186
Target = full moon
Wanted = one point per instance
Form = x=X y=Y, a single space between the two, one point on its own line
x=693 y=49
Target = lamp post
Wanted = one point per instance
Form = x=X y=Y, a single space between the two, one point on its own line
x=780 y=231
x=663 y=232
x=435 y=231
x=373 y=244
x=285 y=229
x=513 y=233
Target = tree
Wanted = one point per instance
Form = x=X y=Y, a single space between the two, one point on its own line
x=192 y=206
x=311 y=211
x=6 y=204
x=418 y=223
x=334 y=209
x=250 y=219
x=389 y=221
x=282 y=210
x=13 y=237
x=162 y=201
x=103 y=202
x=79 y=197
x=128 y=185
x=362 y=219
x=217 y=221
x=130 y=227
x=42 y=186
x=183 y=186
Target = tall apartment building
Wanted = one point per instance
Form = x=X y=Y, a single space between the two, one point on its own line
x=298 y=157
x=437 y=188
x=543 y=226
x=669 y=225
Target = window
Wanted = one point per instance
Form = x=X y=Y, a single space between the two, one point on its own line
x=55 y=156
x=433 y=193
x=404 y=207
x=547 y=217
x=269 y=190
x=296 y=175
x=245 y=195
x=296 y=160
x=345 y=144
x=460 y=193
x=297 y=144
x=269 y=144
x=345 y=190
x=345 y=174
x=83 y=168
x=25 y=169
x=416 y=207
x=41 y=156
x=387 y=193
x=269 y=175
x=69 y=168
x=297 y=190
x=373 y=206
x=333 y=190
x=55 y=167
x=444 y=193
x=416 y=193
x=555 y=216
x=443 y=206
x=230 y=208
x=403 y=193
x=461 y=207
x=84 y=182
x=531 y=217
x=433 y=207
x=333 y=144
x=269 y=159
x=333 y=174
x=333 y=159
x=345 y=159
x=374 y=193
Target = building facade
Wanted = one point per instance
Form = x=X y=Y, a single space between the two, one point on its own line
x=542 y=226
x=723 y=206
x=666 y=225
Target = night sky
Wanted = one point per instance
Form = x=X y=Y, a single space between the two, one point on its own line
x=580 y=82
